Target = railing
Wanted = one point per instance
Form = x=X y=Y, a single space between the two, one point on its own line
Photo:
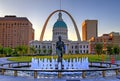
x=9 y=66
x=108 y=65
x=12 y=64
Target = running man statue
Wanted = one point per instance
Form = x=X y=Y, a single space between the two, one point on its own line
x=60 y=49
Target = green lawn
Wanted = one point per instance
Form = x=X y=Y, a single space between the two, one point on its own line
x=90 y=57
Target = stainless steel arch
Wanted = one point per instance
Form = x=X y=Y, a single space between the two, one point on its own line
x=73 y=21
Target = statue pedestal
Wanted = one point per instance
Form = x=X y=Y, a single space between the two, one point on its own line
x=59 y=65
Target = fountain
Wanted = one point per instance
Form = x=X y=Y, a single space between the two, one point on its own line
x=51 y=64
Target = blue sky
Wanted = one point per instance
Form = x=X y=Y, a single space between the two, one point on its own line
x=107 y=12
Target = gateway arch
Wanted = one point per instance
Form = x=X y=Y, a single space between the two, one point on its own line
x=73 y=21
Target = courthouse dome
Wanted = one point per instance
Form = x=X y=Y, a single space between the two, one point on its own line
x=60 y=23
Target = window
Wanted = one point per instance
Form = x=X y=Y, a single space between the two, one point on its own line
x=43 y=47
x=36 y=46
x=75 y=47
x=80 y=46
x=11 y=24
x=3 y=24
x=26 y=23
x=72 y=47
x=72 y=51
x=84 y=51
x=80 y=51
x=84 y=46
x=87 y=46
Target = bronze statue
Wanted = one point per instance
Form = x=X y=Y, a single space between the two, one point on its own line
x=60 y=49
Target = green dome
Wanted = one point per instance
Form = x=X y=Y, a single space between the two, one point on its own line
x=60 y=24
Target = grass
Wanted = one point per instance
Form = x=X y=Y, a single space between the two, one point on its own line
x=91 y=58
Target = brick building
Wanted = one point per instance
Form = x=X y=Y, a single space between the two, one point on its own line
x=15 y=31
x=112 y=38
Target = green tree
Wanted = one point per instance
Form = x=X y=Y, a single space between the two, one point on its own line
x=44 y=51
x=50 y=51
x=25 y=49
x=14 y=52
x=110 y=49
x=21 y=50
x=116 y=50
x=119 y=50
x=1 y=49
x=39 y=50
x=8 y=51
x=18 y=49
x=98 y=48
x=32 y=49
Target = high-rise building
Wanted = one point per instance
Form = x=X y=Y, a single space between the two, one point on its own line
x=89 y=29
x=15 y=31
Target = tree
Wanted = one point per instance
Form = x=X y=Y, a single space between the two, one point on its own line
x=50 y=51
x=116 y=50
x=7 y=51
x=24 y=49
x=39 y=50
x=32 y=49
x=21 y=50
x=98 y=48
x=1 y=49
x=110 y=49
x=14 y=52
x=44 y=51
x=18 y=49
x=119 y=50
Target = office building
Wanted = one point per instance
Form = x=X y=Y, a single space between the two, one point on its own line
x=15 y=31
x=89 y=29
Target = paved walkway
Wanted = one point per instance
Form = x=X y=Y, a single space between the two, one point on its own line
x=12 y=78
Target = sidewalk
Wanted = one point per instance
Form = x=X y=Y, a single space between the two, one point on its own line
x=12 y=78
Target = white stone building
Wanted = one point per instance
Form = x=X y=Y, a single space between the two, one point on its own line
x=60 y=29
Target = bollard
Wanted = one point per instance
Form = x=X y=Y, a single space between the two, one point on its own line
x=3 y=71
x=15 y=73
x=117 y=72
x=8 y=65
x=117 y=65
x=59 y=75
x=110 y=65
x=18 y=64
x=103 y=73
x=28 y=63
x=83 y=74
x=35 y=74
x=101 y=64
x=91 y=63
